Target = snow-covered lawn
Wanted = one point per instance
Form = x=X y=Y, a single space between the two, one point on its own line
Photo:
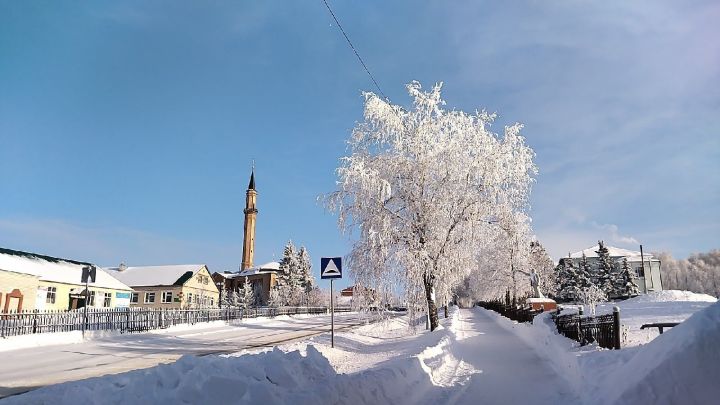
x=659 y=306
x=477 y=357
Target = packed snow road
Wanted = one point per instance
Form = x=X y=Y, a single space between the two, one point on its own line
x=26 y=369
x=506 y=369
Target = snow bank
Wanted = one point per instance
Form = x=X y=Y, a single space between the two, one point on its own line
x=671 y=295
x=270 y=377
x=659 y=306
x=681 y=366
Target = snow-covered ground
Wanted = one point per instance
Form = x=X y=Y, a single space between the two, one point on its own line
x=39 y=360
x=659 y=306
x=477 y=357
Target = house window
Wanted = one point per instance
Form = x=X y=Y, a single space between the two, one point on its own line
x=189 y=298
x=91 y=303
x=197 y=299
x=149 y=297
x=639 y=272
x=51 y=291
x=106 y=299
x=167 y=297
x=212 y=302
x=134 y=298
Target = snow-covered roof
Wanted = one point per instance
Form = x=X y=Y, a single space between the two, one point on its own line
x=55 y=269
x=155 y=275
x=538 y=300
x=631 y=255
x=269 y=267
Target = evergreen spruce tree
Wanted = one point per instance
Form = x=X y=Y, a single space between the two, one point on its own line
x=288 y=264
x=584 y=272
x=629 y=287
x=305 y=270
x=605 y=269
x=568 y=289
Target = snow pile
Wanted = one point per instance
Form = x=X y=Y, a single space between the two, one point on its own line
x=271 y=377
x=681 y=366
x=659 y=306
x=672 y=295
x=268 y=378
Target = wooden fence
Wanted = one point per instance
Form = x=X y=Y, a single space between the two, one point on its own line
x=134 y=319
x=603 y=329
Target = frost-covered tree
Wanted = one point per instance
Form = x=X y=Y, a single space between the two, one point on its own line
x=317 y=297
x=305 y=271
x=699 y=273
x=245 y=294
x=590 y=295
x=288 y=264
x=274 y=297
x=419 y=187
x=294 y=278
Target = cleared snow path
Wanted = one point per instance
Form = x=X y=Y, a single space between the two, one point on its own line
x=506 y=370
x=27 y=369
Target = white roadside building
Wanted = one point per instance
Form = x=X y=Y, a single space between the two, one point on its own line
x=648 y=276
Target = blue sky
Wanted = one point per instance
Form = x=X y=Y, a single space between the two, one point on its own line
x=127 y=129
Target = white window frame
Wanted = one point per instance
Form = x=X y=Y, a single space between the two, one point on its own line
x=134 y=298
x=91 y=302
x=166 y=297
x=147 y=298
x=107 y=300
x=51 y=294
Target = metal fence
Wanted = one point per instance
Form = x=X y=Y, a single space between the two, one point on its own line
x=514 y=312
x=135 y=319
x=603 y=329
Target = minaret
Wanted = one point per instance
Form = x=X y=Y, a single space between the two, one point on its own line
x=250 y=214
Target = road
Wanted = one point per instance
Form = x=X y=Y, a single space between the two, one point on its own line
x=27 y=369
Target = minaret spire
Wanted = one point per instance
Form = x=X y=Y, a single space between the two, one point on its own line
x=250 y=216
x=251 y=186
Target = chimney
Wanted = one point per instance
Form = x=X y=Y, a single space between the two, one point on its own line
x=122 y=266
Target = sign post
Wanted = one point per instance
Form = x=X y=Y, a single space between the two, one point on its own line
x=331 y=268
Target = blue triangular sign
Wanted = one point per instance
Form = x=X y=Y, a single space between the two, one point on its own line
x=330 y=267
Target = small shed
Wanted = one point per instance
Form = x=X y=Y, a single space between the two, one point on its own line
x=546 y=304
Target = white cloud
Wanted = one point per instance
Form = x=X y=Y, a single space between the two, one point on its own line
x=615 y=236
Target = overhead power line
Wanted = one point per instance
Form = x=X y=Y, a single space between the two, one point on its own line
x=355 y=50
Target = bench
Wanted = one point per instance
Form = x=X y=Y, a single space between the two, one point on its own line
x=660 y=325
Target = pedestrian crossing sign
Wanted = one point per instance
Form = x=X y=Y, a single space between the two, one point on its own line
x=330 y=267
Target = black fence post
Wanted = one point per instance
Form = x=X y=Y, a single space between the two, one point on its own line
x=616 y=326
